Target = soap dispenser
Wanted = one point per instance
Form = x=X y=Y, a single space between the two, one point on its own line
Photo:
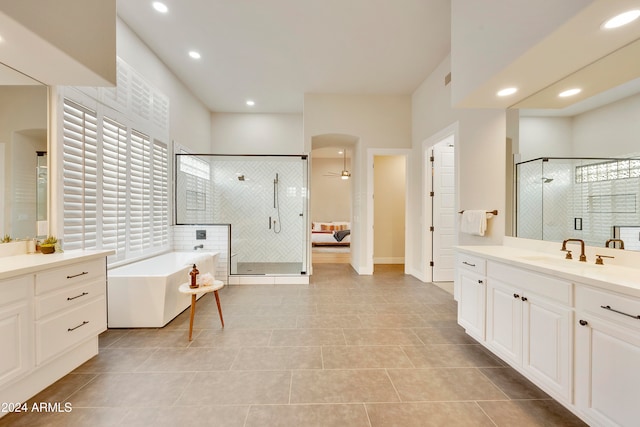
x=194 y=277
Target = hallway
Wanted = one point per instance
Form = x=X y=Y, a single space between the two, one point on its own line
x=347 y=350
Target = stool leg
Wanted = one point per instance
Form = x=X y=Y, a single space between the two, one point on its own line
x=193 y=312
x=219 y=308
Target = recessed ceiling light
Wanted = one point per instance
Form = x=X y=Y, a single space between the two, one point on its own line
x=160 y=7
x=251 y=102
x=194 y=54
x=340 y=152
x=569 y=92
x=622 y=19
x=507 y=91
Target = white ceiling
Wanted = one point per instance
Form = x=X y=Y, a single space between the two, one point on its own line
x=276 y=51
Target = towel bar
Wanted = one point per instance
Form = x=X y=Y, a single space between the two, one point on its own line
x=494 y=212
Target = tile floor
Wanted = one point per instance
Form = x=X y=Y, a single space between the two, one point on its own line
x=347 y=350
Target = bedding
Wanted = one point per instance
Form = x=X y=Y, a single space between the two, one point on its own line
x=335 y=233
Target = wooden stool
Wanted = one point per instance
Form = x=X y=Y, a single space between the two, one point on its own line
x=185 y=289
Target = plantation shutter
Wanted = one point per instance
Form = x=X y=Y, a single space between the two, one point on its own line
x=79 y=176
x=160 y=214
x=114 y=187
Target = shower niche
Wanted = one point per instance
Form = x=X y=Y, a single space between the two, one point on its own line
x=594 y=199
x=264 y=200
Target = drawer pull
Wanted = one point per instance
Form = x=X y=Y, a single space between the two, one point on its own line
x=480 y=282
x=77 y=275
x=524 y=298
x=77 y=296
x=468 y=263
x=81 y=324
x=516 y=296
x=583 y=322
x=608 y=307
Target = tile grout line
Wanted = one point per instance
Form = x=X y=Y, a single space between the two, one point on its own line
x=485 y=413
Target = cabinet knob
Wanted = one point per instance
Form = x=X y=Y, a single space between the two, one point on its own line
x=480 y=281
x=583 y=322
x=516 y=296
x=524 y=298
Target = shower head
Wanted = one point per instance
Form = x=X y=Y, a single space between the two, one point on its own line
x=546 y=180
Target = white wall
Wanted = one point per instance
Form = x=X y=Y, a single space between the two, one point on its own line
x=480 y=163
x=488 y=36
x=239 y=133
x=190 y=119
x=609 y=131
x=378 y=121
x=545 y=137
x=330 y=196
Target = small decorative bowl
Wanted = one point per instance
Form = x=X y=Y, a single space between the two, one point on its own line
x=47 y=249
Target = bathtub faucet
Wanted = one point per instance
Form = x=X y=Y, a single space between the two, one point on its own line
x=201 y=246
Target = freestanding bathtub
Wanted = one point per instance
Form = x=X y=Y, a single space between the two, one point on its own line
x=145 y=294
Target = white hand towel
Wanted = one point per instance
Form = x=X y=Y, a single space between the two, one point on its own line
x=474 y=222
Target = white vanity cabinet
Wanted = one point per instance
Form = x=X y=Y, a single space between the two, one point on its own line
x=471 y=289
x=529 y=325
x=607 y=362
x=16 y=357
x=52 y=308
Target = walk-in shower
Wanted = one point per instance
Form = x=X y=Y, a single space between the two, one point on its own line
x=263 y=198
x=591 y=199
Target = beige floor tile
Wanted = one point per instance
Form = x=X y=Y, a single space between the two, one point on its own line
x=530 y=413
x=451 y=356
x=426 y=414
x=411 y=308
x=392 y=320
x=116 y=360
x=443 y=384
x=306 y=337
x=443 y=336
x=237 y=388
x=204 y=416
x=76 y=417
x=110 y=336
x=191 y=359
x=513 y=384
x=342 y=386
x=131 y=390
x=364 y=357
x=278 y=358
x=61 y=390
x=381 y=337
x=308 y=416
x=152 y=338
x=231 y=338
x=260 y=322
x=329 y=322
x=338 y=308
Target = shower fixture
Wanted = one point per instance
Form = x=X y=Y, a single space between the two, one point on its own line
x=546 y=180
x=240 y=177
x=277 y=226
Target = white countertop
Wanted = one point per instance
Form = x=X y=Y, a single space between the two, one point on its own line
x=16 y=265
x=615 y=278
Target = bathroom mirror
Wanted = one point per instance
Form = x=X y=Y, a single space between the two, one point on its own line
x=600 y=127
x=23 y=135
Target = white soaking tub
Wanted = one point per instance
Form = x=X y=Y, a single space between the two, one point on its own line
x=145 y=294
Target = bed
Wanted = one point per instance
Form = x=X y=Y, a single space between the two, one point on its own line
x=337 y=233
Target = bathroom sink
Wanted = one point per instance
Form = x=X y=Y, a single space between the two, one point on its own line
x=558 y=262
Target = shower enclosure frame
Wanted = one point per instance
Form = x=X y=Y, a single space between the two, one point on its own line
x=303 y=185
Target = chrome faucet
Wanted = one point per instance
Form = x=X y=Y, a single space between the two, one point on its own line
x=201 y=246
x=606 y=245
x=583 y=257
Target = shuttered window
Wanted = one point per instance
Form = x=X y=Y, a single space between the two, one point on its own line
x=115 y=186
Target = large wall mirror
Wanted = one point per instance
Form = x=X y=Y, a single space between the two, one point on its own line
x=23 y=155
x=579 y=175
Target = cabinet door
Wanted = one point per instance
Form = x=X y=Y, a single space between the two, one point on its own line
x=607 y=372
x=504 y=320
x=546 y=349
x=471 y=307
x=16 y=356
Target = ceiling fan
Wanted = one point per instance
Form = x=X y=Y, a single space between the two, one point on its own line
x=345 y=174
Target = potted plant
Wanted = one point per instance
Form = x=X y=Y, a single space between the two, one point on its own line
x=48 y=245
x=6 y=239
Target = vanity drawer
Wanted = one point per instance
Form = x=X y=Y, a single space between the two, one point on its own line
x=69 y=297
x=526 y=280
x=60 y=333
x=72 y=274
x=472 y=263
x=621 y=308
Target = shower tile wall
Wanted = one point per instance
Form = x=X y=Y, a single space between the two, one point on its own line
x=546 y=210
x=184 y=240
x=248 y=204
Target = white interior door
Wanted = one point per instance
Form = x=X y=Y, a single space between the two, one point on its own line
x=443 y=170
